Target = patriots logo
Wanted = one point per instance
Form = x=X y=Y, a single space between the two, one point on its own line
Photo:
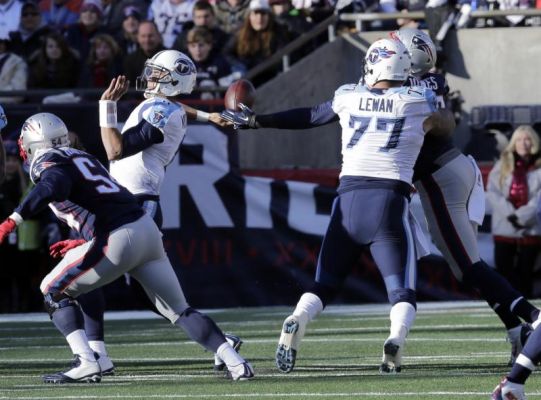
x=377 y=54
x=422 y=45
x=184 y=67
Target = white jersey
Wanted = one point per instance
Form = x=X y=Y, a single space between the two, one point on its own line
x=143 y=172
x=170 y=18
x=382 y=130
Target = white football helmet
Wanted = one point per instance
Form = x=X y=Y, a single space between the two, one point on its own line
x=42 y=131
x=386 y=60
x=421 y=48
x=168 y=73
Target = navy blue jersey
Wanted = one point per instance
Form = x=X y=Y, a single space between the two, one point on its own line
x=76 y=217
x=433 y=146
x=68 y=174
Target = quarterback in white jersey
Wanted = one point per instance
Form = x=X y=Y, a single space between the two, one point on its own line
x=170 y=17
x=382 y=130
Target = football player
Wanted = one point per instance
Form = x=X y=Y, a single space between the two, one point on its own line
x=383 y=126
x=149 y=141
x=126 y=241
x=3 y=123
x=452 y=195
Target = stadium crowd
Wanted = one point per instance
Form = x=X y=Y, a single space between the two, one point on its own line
x=62 y=44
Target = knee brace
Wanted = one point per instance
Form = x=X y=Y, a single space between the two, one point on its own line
x=403 y=295
x=56 y=301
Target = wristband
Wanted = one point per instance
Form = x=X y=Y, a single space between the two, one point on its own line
x=108 y=116
x=202 y=116
x=16 y=217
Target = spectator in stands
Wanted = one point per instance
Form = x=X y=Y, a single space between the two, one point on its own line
x=258 y=38
x=127 y=37
x=80 y=34
x=104 y=62
x=32 y=29
x=114 y=12
x=230 y=14
x=58 y=14
x=150 y=42
x=318 y=10
x=513 y=188
x=203 y=16
x=210 y=66
x=11 y=192
x=10 y=16
x=13 y=71
x=54 y=65
x=295 y=20
x=170 y=17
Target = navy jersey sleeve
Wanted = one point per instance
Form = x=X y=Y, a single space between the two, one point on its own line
x=140 y=137
x=299 y=118
x=54 y=185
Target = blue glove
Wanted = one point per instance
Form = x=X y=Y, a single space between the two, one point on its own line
x=3 y=118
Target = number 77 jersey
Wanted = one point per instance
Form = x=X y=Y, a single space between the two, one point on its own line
x=382 y=129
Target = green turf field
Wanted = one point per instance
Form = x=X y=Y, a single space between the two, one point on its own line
x=456 y=352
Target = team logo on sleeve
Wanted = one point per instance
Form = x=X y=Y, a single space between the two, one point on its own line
x=157 y=117
x=378 y=53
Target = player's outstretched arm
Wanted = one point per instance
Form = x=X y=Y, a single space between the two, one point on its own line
x=194 y=114
x=440 y=123
x=110 y=135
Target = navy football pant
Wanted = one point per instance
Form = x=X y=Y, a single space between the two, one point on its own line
x=377 y=219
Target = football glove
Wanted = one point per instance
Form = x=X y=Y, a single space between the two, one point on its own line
x=59 y=249
x=243 y=119
x=6 y=228
x=3 y=118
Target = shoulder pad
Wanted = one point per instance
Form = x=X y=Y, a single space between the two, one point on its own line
x=344 y=89
x=158 y=111
x=46 y=160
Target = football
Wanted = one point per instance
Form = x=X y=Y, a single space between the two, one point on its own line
x=241 y=91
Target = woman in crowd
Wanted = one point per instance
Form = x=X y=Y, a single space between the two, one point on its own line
x=55 y=65
x=104 y=62
x=513 y=189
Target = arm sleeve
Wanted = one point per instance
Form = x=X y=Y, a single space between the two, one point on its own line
x=299 y=118
x=140 y=137
x=54 y=185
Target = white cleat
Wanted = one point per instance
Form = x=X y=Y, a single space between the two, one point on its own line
x=241 y=372
x=81 y=371
x=286 y=352
x=106 y=365
x=235 y=342
x=392 y=357
x=508 y=391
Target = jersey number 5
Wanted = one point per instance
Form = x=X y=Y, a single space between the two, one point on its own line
x=92 y=172
x=360 y=124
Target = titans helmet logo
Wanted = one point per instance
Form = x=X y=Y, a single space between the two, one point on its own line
x=377 y=54
x=184 y=67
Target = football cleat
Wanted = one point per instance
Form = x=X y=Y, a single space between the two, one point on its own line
x=286 y=352
x=241 y=372
x=235 y=342
x=392 y=357
x=508 y=391
x=106 y=365
x=518 y=337
x=81 y=371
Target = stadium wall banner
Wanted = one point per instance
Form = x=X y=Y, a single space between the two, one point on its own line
x=243 y=240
